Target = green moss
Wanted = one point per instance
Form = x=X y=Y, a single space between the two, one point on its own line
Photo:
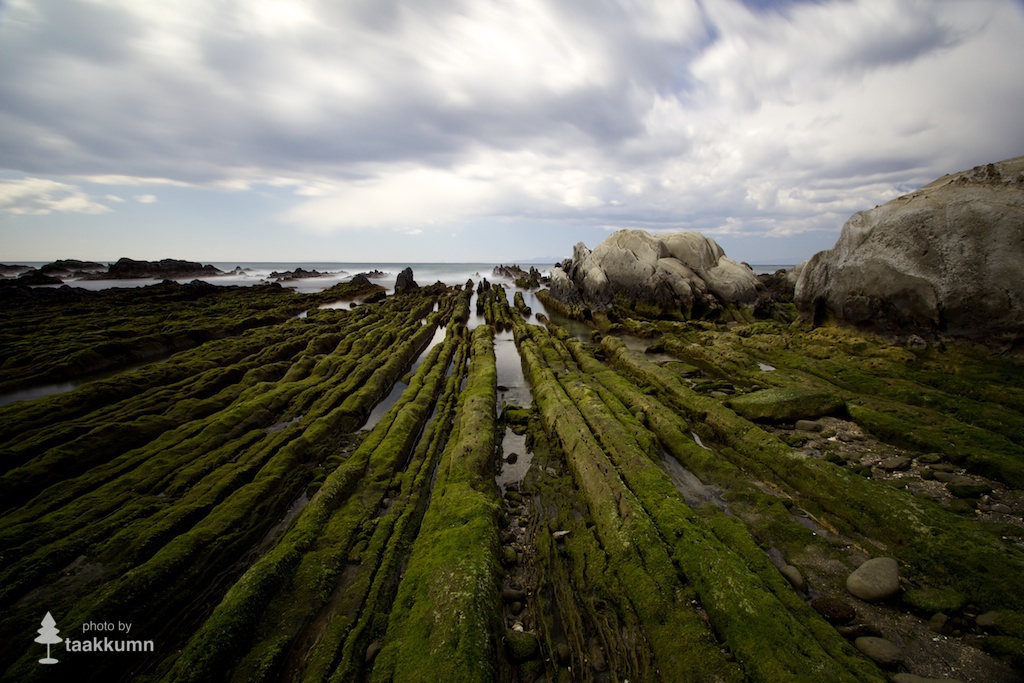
x=929 y=601
x=785 y=405
x=521 y=646
x=444 y=619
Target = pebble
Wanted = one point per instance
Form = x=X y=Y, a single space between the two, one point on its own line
x=895 y=464
x=834 y=610
x=939 y=623
x=879 y=650
x=876 y=580
x=987 y=620
x=598 y=662
x=1001 y=507
x=792 y=574
x=372 y=650
x=944 y=477
x=808 y=426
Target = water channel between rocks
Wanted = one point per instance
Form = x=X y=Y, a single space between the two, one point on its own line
x=512 y=390
x=396 y=391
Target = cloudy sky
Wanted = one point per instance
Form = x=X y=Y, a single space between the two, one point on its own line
x=484 y=130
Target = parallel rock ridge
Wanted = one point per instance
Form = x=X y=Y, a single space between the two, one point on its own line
x=683 y=272
x=947 y=259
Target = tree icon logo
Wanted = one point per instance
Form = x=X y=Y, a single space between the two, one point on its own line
x=48 y=636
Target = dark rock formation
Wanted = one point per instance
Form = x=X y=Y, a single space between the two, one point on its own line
x=405 y=283
x=72 y=267
x=523 y=279
x=682 y=273
x=947 y=259
x=170 y=269
x=299 y=274
x=32 y=278
x=13 y=270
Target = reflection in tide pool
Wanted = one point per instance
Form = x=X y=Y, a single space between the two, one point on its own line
x=396 y=391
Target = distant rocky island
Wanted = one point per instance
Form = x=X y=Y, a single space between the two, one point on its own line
x=123 y=269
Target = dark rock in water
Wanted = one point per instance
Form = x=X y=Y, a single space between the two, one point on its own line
x=37 y=277
x=876 y=580
x=405 y=283
x=13 y=270
x=834 y=610
x=169 y=269
x=374 y=274
x=72 y=267
x=947 y=259
x=298 y=274
x=685 y=274
x=524 y=279
x=361 y=280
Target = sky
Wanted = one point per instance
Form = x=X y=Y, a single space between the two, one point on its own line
x=484 y=130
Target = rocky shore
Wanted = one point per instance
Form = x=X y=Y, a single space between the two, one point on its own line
x=702 y=483
x=702 y=500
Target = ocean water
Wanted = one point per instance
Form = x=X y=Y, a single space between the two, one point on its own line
x=335 y=272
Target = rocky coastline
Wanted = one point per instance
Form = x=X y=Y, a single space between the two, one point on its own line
x=719 y=477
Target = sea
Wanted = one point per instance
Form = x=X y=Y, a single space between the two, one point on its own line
x=334 y=272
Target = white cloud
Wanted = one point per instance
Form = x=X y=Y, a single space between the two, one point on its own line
x=674 y=114
x=408 y=197
x=39 y=196
x=146 y=198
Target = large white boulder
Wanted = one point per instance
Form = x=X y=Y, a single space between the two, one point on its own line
x=684 y=273
x=947 y=259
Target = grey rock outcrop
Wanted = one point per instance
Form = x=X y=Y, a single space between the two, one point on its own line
x=947 y=259
x=684 y=272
